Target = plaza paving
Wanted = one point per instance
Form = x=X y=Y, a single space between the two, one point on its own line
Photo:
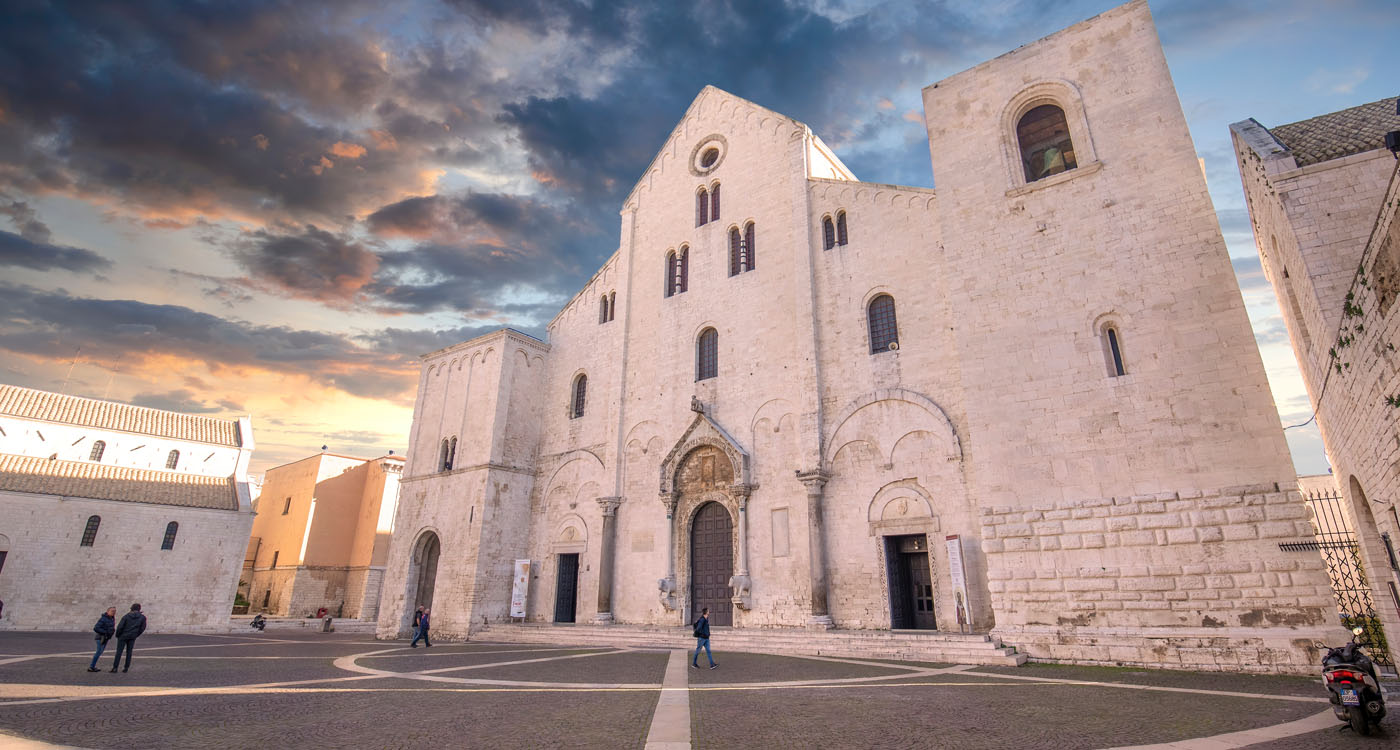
x=306 y=690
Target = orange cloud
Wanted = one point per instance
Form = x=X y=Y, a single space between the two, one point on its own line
x=885 y=104
x=348 y=150
x=260 y=141
x=384 y=140
x=914 y=115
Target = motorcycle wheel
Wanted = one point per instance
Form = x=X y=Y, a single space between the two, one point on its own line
x=1359 y=724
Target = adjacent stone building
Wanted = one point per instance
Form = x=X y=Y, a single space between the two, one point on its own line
x=1323 y=195
x=321 y=537
x=1028 y=402
x=104 y=504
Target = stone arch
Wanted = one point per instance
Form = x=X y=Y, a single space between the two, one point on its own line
x=893 y=394
x=1060 y=93
x=421 y=582
x=570 y=535
x=694 y=491
x=702 y=432
x=901 y=503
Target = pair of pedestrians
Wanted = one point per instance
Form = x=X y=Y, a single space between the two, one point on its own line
x=420 y=628
x=132 y=625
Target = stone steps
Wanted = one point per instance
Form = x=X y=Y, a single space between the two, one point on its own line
x=868 y=644
x=239 y=625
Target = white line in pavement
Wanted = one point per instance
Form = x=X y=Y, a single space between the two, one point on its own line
x=1314 y=723
x=1158 y=688
x=670 y=723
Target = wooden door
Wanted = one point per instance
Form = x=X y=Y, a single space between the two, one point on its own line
x=566 y=589
x=712 y=564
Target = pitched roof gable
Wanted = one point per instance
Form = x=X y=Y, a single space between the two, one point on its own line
x=45 y=406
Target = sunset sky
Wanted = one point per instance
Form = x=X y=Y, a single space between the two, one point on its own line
x=271 y=208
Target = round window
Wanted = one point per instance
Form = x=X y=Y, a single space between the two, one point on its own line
x=709 y=158
x=708 y=154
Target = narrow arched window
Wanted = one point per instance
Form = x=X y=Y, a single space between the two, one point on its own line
x=671 y=269
x=451 y=453
x=841 y=228
x=97 y=449
x=1046 y=148
x=747 y=251
x=1113 y=351
x=580 y=396
x=170 y=530
x=828 y=233
x=172 y=459
x=603 y=310
x=714 y=202
x=90 y=531
x=884 y=331
x=287 y=506
x=734 y=239
x=612 y=305
x=442 y=456
x=683 y=269
x=702 y=207
x=707 y=355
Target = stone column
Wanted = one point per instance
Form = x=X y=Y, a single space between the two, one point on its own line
x=740 y=583
x=815 y=482
x=605 y=561
x=667 y=585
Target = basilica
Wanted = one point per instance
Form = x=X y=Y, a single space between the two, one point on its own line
x=1025 y=403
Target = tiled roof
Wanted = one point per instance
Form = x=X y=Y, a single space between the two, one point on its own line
x=110 y=415
x=107 y=482
x=1332 y=136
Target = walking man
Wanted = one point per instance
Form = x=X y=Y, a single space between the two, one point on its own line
x=702 y=639
x=422 y=631
x=131 y=627
x=106 y=625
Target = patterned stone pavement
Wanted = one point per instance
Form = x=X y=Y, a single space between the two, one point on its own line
x=313 y=690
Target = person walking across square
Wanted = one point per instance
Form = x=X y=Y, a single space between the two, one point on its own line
x=702 y=639
x=422 y=631
x=131 y=627
x=106 y=625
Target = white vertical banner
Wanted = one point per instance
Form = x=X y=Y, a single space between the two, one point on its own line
x=520 y=590
x=957 y=572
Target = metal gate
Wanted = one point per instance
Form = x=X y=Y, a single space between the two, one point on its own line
x=1336 y=541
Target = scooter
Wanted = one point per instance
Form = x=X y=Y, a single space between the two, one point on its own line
x=1350 y=678
x=259 y=623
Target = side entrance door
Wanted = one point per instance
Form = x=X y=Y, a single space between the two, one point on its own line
x=566 y=588
x=910 y=582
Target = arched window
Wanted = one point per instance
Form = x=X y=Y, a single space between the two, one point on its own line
x=90 y=531
x=287 y=506
x=612 y=305
x=841 y=227
x=702 y=208
x=603 y=310
x=96 y=454
x=451 y=453
x=749 y=253
x=884 y=332
x=714 y=202
x=172 y=459
x=828 y=233
x=670 y=273
x=580 y=396
x=707 y=355
x=682 y=269
x=1043 y=136
x=1113 y=350
x=170 y=530
x=734 y=240
x=442 y=455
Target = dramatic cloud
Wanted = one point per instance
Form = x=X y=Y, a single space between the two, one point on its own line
x=311 y=263
x=16 y=250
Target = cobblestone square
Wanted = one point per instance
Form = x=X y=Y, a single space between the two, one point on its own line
x=302 y=690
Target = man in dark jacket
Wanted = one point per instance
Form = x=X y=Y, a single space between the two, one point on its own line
x=106 y=625
x=131 y=627
x=422 y=631
x=702 y=639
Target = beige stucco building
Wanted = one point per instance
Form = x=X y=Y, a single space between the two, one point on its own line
x=321 y=537
x=785 y=405
x=1323 y=195
x=104 y=504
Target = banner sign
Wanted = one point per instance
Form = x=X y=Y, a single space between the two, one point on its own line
x=521 y=588
x=955 y=568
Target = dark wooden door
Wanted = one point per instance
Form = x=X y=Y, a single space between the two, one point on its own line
x=921 y=590
x=712 y=563
x=897 y=572
x=566 y=589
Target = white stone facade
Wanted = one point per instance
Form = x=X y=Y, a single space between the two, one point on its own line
x=997 y=418
x=171 y=539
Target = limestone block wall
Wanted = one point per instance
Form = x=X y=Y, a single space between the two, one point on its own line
x=50 y=582
x=1183 y=579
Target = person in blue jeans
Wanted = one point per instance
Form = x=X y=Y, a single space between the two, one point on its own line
x=702 y=639
x=103 y=630
x=422 y=631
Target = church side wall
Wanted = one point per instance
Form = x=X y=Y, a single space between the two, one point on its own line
x=27 y=437
x=50 y=582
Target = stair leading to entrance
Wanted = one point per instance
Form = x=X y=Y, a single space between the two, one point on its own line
x=904 y=645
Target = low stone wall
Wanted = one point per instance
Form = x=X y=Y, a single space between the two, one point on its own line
x=1187 y=580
